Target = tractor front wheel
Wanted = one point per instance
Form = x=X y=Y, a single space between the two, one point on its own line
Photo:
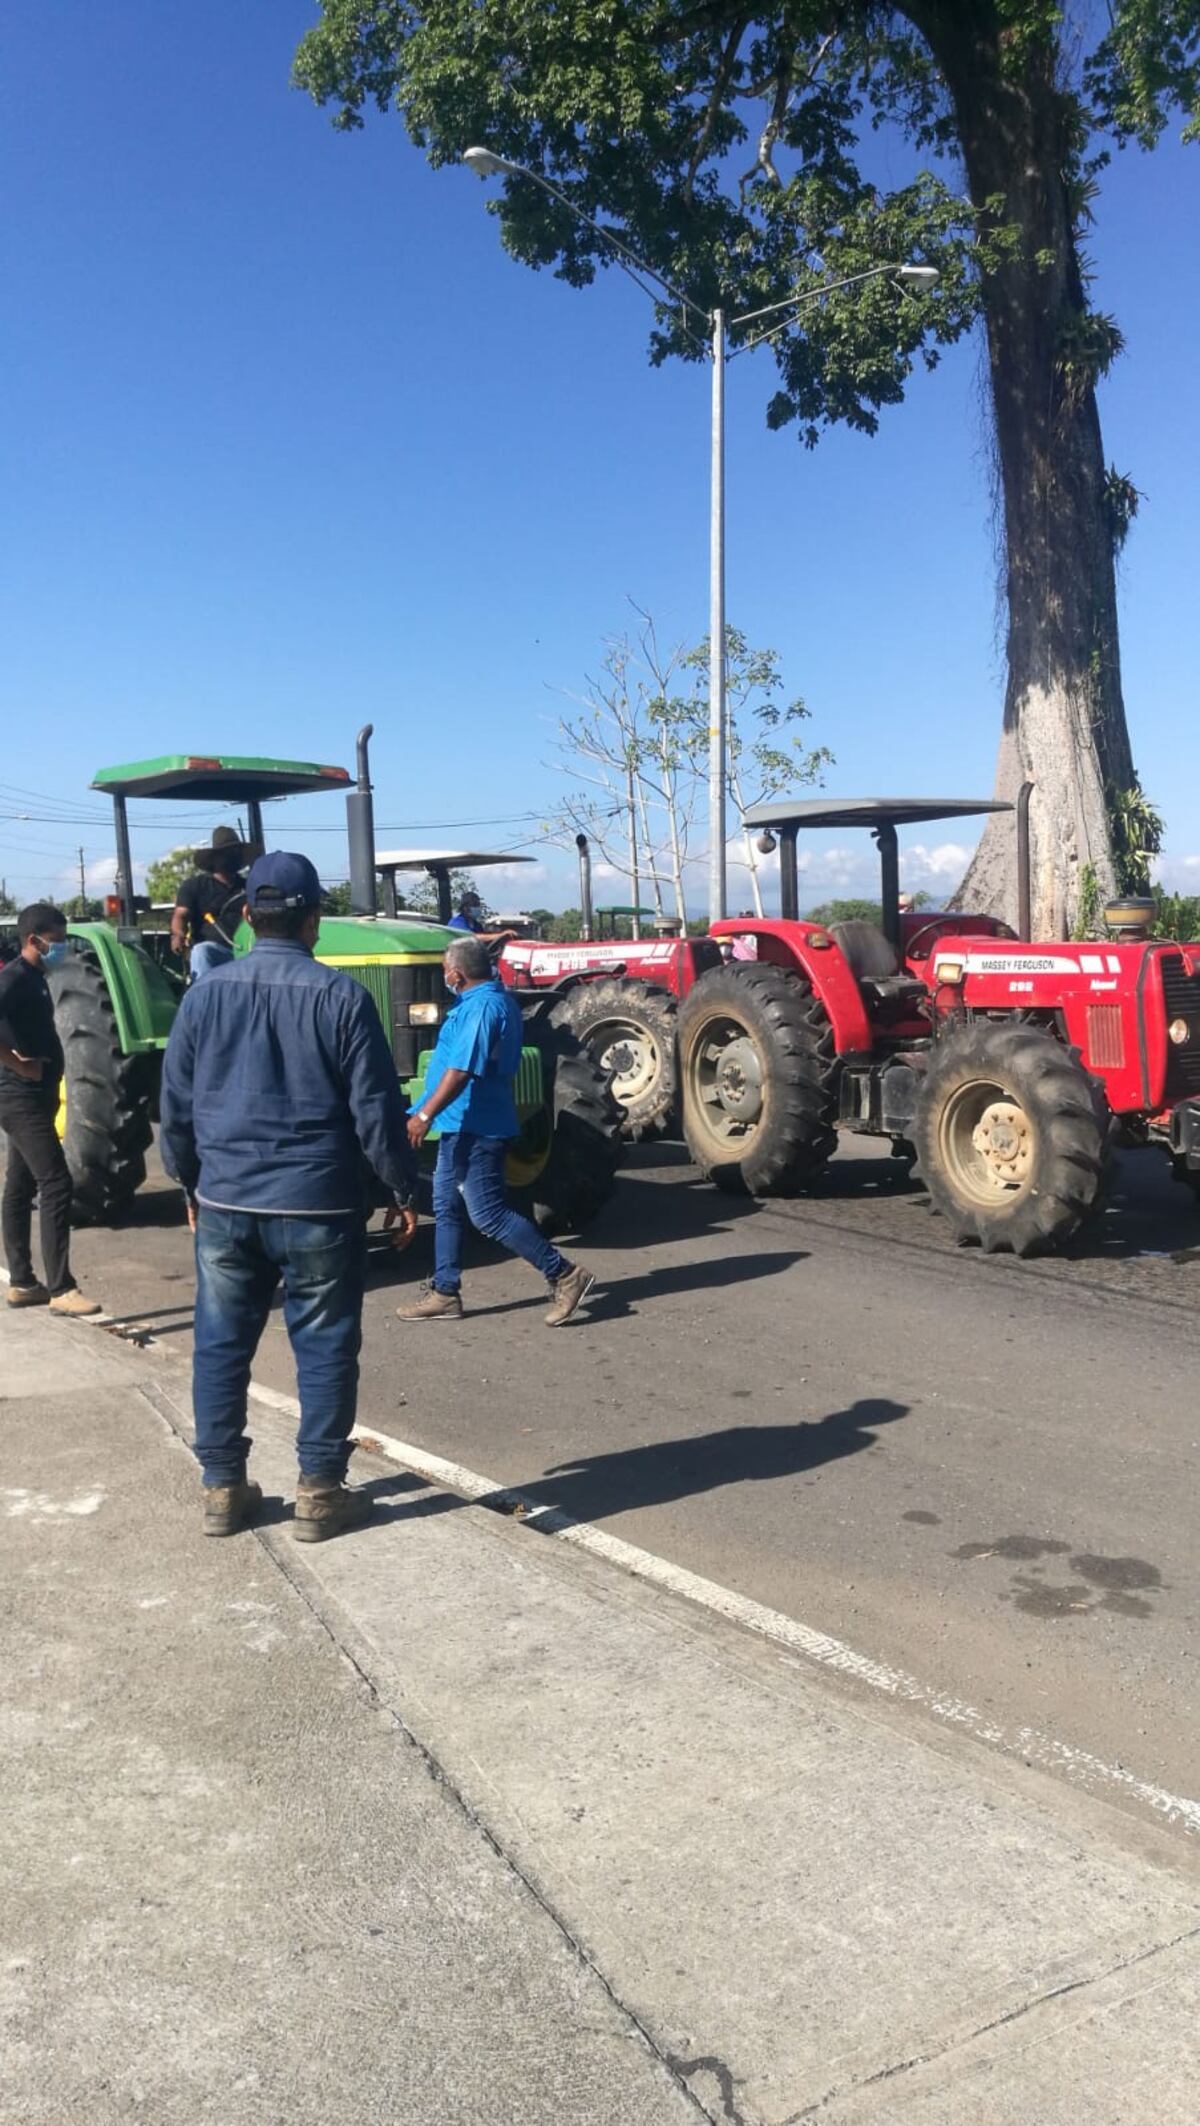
x=1010 y=1137
x=105 y=1119
x=756 y=1066
x=629 y=1030
x=561 y=1169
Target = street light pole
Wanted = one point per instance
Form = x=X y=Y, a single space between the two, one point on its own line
x=716 y=633
x=486 y=163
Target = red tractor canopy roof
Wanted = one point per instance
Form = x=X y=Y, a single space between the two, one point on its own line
x=865 y=811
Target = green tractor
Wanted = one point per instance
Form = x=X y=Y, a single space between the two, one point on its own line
x=117 y=994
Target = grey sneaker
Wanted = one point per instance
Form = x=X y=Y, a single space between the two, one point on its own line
x=27 y=1295
x=432 y=1305
x=74 y=1302
x=324 y=1509
x=228 y=1507
x=570 y=1290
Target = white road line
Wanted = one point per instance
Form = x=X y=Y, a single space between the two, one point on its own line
x=1027 y=1743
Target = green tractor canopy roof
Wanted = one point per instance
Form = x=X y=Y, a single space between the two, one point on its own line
x=231 y=778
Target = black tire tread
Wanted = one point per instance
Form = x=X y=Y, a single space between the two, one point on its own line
x=108 y=1095
x=778 y=1006
x=585 y=1151
x=1072 y=1122
x=589 y=1005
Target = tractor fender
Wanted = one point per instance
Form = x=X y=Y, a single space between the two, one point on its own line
x=824 y=965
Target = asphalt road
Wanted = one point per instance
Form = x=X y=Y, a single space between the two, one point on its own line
x=976 y=1470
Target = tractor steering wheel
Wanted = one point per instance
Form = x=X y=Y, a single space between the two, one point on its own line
x=910 y=950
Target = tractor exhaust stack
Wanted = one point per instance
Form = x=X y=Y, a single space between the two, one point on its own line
x=360 y=830
x=1024 y=881
x=587 y=917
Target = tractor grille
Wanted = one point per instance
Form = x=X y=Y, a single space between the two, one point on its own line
x=1181 y=1000
x=391 y=990
x=1106 y=1036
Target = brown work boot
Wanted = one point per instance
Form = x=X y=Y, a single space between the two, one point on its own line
x=324 y=1508
x=432 y=1305
x=73 y=1302
x=228 y=1507
x=27 y=1295
x=570 y=1290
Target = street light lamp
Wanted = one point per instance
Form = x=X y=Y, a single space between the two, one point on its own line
x=486 y=163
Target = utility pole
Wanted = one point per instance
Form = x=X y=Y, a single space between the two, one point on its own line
x=716 y=633
x=82 y=880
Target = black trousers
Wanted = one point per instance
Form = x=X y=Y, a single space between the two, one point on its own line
x=35 y=1167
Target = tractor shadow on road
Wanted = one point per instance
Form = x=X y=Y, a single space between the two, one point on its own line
x=594 y=1487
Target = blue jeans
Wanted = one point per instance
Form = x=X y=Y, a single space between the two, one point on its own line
x=206 y=956
x=240 y=1258
x=468 y=1182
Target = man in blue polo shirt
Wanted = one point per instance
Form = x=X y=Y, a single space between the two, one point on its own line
x=469 y=1092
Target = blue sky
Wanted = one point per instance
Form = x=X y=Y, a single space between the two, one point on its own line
x=291 y=444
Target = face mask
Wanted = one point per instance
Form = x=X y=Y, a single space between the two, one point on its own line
x=54 y=955
x=451 y=986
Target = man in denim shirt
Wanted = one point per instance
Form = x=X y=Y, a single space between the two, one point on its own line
x=279 y=1093
x=469 y=1090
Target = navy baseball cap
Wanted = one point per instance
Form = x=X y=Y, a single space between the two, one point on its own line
x=283 y=880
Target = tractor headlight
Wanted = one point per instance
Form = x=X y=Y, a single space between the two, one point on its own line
x=424 y=1014
x=1179 y=1032
x=949 y=971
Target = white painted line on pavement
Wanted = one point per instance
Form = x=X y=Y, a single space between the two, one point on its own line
x=1027 y=1743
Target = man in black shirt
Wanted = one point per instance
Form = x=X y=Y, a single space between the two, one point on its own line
x=208 y=906
x=31 y=1069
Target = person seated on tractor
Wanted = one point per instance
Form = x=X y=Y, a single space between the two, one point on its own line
x=208 y=905
x=469 y=1092
x=31 y=1070
x=466 y=917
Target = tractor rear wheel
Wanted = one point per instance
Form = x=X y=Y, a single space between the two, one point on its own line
x=561 y=1169
x=1010 y=1137
x=756 y=1067
x=105 y=1120
x=628 y=1029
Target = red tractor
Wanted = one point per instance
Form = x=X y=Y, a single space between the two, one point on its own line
x=1006 y=1067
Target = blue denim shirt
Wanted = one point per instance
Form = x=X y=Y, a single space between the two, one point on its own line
x=278 y=1088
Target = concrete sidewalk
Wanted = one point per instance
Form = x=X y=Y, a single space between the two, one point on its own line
x=663 y=1870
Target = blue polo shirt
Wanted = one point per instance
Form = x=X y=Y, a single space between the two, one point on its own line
x=483 y=1033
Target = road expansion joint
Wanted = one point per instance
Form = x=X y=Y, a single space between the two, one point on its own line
x=1081 y=1989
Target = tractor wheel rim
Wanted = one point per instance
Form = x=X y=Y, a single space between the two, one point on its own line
x=629 y=1053
x=988 y=1143
x=727 y=1081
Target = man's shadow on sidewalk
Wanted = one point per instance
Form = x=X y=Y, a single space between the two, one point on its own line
x=596 y=1487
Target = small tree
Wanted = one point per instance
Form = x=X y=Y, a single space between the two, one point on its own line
x=640 y=751
x=81 y=908
x=606 y=749
x=764 y=753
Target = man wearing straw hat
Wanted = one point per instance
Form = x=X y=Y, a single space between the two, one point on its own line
x=208 y=905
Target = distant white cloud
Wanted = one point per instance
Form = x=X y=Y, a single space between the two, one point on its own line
x=515 y=874
x=946 y=862
x=1178 y=874
x=99 y=875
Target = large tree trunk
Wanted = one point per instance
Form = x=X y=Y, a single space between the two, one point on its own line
x=1064 y=717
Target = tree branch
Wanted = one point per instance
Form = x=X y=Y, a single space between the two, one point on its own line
x=721 y=78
